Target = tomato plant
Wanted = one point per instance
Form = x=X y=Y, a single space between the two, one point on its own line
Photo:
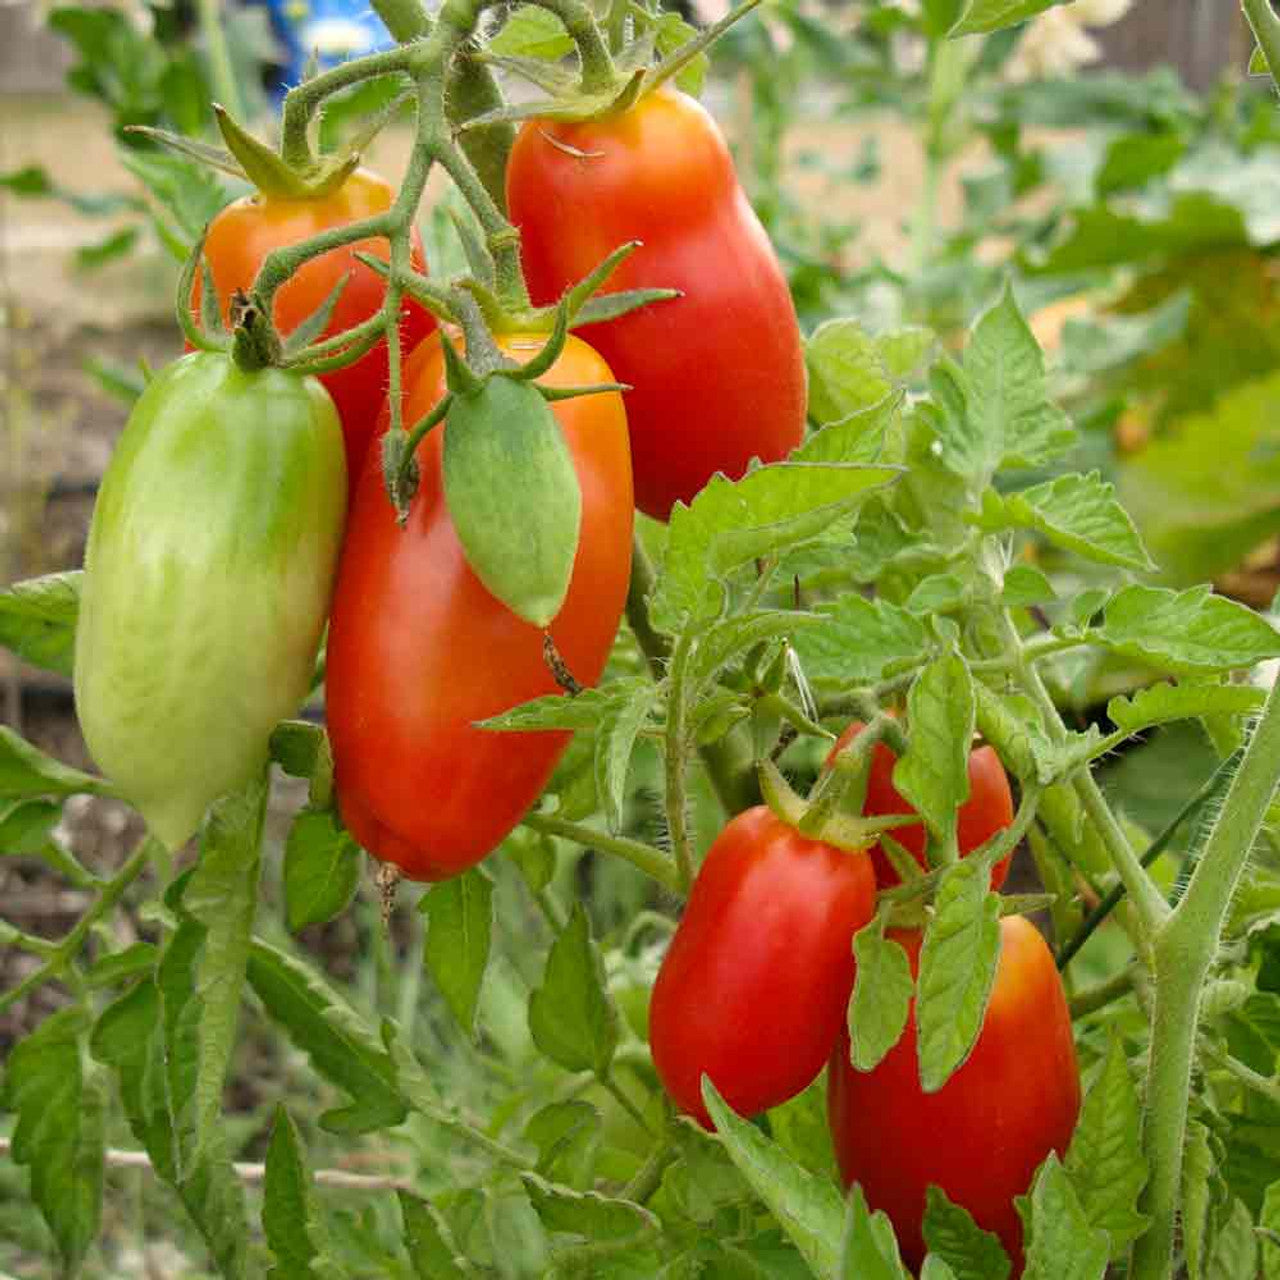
x=716 y=376
x=982 y=1136
x=987 y=811
x=209 y=571
x=419 y=650
x=753 y=989
x=247 y=230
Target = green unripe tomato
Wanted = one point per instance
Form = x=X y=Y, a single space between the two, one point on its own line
x=208 y=575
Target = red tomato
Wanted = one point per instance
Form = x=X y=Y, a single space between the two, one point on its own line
x=754 y=988
x=242 y=235
x=419 y=650
x=718 y=375
x=987 y=811
x=982 y=1136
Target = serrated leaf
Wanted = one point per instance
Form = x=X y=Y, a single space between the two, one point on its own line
x=952 y=1235
x=571 y=1015
x=38 y=620
x=1269 y=1220
x=201 y=973
x=531 y=32
x=59 y=1134
x=616 y=735
x=957 y=970
x=290 y=1218
x=586 y=1213
x=882 y=994
x=128 y=1038
x=321 y=868
x=1163 y=703
x=859 y=641
x=1078 y=513
x=933 y=773
x=119 y=966
x=432 y=1253
x=847 y=373
x=723 y=641
x=340 y=1047
x=671 y=33
x=26 y=771
x=459 y=915
x=869 y=1249
x=534 y=854
x=1063 y=1246
x=809 y=1209
x=1190 y=630
x=860 y=437
x=731 y=523
x=567 y=1135
x=1105 y=1160
x=1234 y=1252
x=553 y=712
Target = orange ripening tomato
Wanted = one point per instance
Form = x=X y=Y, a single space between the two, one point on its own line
x=754 y=987
x=419 y=650
x=718 y=375
x=982 y=1136
x=987 y=811
x=247 y=230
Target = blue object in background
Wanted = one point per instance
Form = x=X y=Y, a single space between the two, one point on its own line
x=335 y=30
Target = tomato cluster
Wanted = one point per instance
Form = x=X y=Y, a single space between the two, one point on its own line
x=753 y=995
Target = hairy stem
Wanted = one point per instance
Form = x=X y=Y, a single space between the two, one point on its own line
x=653 y=862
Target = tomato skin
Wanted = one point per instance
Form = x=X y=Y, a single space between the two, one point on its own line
x=987 y=811
x=247 y=230
x=419 y=650
x=208 y=575
x=718 y=375
x=754 y=987
x=982 y=1136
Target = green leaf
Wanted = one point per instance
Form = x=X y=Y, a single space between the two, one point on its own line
x=1105 y=1160
x=808 y=1209
x=554 y=712
x=586 y=1213
x=1234 y=1252
x=850 y=371
x=933 y=774
x=869 y=1249
x=1024 y=585
x=297 y=746
x=89 y=257
x=1269 y=1220
x=115 y=967
x=671 y=33
x=567 y=1135
x=321 y=868
x=339 y=1045
x=952 y=1235
x=571 y=1015
x=520 y=538
x=1258 y=66
x=1191 y=630
x=59 y=1135
x=616 y=735
x=532 y=33
x=290 y=1216
x=991 y=15
x=732 y=523
x=1162 y=703
x=38 y=620
x=432 y=1253
x=724 y=641
x=957 y=969
x=129 y=1038
x=26 y=771
x=882 y=994
x=459 y=916
x=1063 y=1246
x=860 y=437
x=201 y=973
x=1078 y=513
x=1204 y=492
x=935 y=1269
x=861 y=639
x=26 y=825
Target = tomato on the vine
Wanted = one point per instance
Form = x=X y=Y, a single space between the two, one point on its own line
x=754 y=987
x=717 y=375
x=987 y=811
x=982 y=1136
x=247 y=230
x=208 y=574
x=419 y=650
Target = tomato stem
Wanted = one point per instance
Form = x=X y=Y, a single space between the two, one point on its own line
x=653 y=862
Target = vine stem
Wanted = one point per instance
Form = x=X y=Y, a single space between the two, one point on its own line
x=653 y=862
x=69 y=947
x=677 y=798
x=1183 y=951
